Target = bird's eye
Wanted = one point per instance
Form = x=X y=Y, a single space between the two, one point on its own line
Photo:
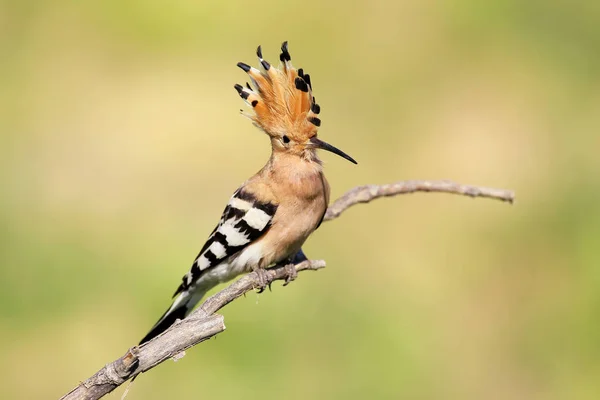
x=286 y=139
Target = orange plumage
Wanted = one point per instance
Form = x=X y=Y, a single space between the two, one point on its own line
x=281 y=99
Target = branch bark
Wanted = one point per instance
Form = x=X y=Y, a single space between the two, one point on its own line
x=204 y=323
x=367 y=193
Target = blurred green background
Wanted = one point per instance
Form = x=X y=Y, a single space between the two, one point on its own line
x=120 y=142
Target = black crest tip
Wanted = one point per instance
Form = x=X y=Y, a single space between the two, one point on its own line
x=285 y=54
x=315 y=121
x=301 y=84
x=259 y=52
x=245 y=67
x=307 y=79
x=240 y=90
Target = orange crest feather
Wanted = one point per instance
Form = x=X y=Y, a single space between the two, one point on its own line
x=281 y=98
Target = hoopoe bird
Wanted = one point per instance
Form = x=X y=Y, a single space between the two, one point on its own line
x=270 y=216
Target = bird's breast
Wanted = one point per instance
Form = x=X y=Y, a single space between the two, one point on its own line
x=302 y=204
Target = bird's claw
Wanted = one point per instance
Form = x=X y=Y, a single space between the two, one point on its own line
x=262 y=280
x=290 y=273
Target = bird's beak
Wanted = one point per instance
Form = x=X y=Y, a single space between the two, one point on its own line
x=319 y=144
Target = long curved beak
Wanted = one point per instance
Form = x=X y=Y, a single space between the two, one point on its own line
x=319 y=144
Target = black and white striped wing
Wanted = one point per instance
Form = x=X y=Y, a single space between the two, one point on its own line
x=244 y=220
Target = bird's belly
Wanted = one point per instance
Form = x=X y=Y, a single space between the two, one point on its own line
x=242 y=262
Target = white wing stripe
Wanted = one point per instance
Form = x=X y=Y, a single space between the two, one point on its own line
x=240 y=204
x=203 y=262
x=234 y=237
x=218 y=250
x=257 y=219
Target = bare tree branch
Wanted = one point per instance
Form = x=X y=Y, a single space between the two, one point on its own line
x=188 y=332
x=367 y=193
x=203 y=323
x=200 y=325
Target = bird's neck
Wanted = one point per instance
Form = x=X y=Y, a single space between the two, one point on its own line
x=302 y=175
x=300 y=165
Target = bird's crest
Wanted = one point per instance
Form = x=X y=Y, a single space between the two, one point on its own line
x=281 y=98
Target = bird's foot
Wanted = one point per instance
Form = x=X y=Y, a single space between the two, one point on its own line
x=290 y=273
x=262 y=279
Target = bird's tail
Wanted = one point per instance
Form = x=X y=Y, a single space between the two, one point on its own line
x=181 y=307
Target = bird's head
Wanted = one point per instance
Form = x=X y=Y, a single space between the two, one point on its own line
x=284 y=107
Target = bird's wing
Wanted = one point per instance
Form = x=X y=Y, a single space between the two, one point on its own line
x=244 y=220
